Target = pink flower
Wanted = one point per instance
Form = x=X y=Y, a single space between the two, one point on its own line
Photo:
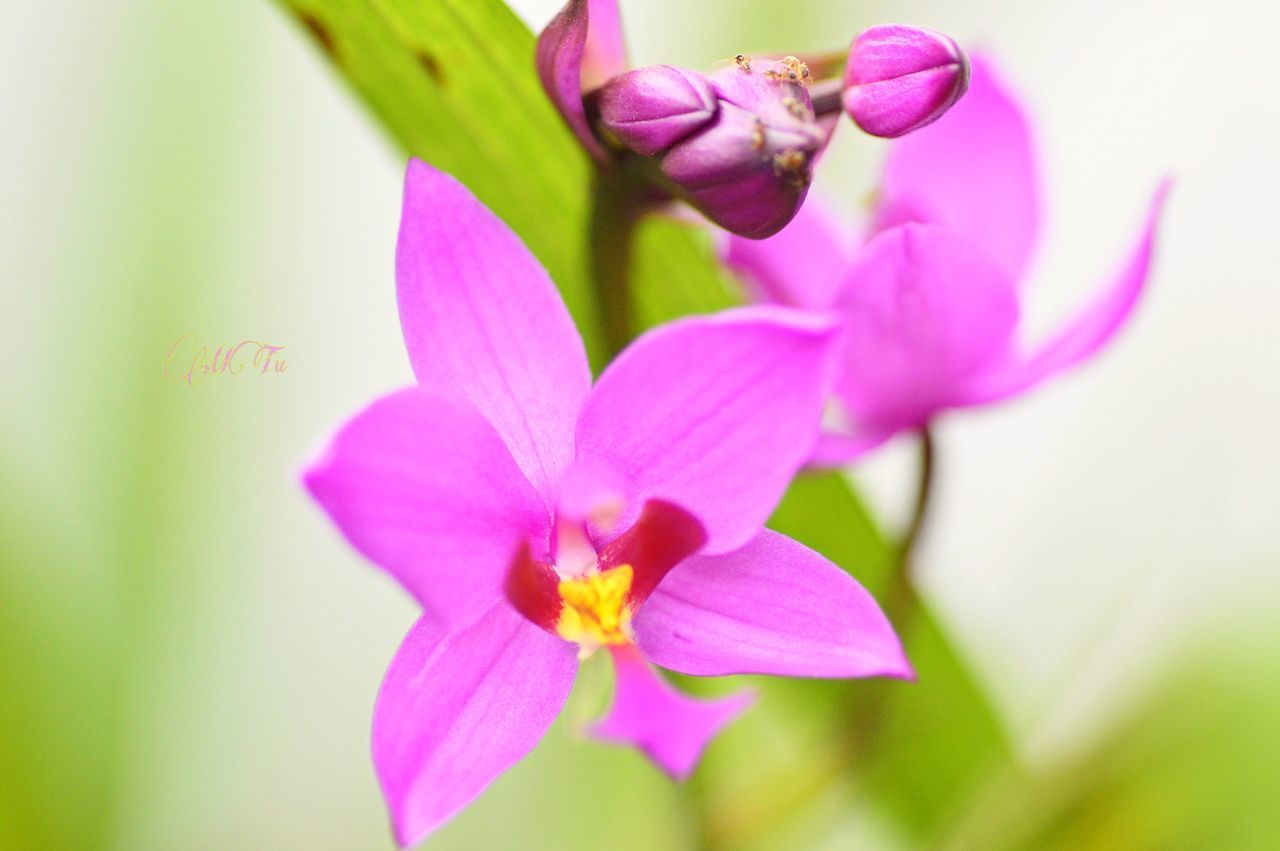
x=538 y=518
x=930 y=302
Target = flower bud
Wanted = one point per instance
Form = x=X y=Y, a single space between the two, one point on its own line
x=901 y=78
x=650 y=109
x=748 y=170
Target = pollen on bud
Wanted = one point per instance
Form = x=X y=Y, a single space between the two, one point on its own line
x=902 y=78
x=650 y=109
x=749 y=169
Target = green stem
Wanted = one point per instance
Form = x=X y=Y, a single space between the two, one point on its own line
x=618 y=203
x=900 y=595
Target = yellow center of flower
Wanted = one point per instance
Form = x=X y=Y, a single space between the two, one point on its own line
x=595 y=611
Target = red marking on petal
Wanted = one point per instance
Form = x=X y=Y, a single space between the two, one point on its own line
x=533 y=589
x=663 y=536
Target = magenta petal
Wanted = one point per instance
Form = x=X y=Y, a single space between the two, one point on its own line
x=1081 y=337
x=924 y=311
x=483 y=322
x=714 y=414
x=669 y=727
x=974 y=171
x=455 y=711
x=800 y=266
x=605 y=53
x=772 y=607
x=836 y=449
x=424 y=487
x=562 y=49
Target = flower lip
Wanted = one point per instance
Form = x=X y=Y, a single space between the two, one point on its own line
x=593 y=606
x=595 y=610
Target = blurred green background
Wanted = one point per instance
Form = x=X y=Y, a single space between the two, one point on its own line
x=189 y=654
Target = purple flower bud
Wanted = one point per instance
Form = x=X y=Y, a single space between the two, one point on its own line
x=901 y=78
x=748 y=170
x=650 y=109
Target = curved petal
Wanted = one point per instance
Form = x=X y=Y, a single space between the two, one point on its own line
x=801 y=265
x=483 y=322
x=423 y=487
x=669 y=727
x=605 y=53
x=835 y=449
x=457 y=710
x=772 y=607
x=714 y=414
x=562 y=49
x=974 y=171
x=924 y=312
x=1090 y=330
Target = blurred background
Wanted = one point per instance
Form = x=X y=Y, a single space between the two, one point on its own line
x=189 y=653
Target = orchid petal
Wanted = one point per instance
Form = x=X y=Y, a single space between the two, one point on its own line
x=924 y=312
x=605 y=53
x=772 y=607
x=801 y=265
x=669 y=727
x=836 y=449
x=483 y=322
x=457 y=710
x=974 y=171
x=714 y=414
x=1090 y=330
x=562 y=49
x=424 y=487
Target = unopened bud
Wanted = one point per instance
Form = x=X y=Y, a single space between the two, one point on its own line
x=749 y=169
x=901 y=78
x=650 y=109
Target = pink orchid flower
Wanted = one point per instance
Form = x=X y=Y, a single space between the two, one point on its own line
x=930 y=302
x=538 y=518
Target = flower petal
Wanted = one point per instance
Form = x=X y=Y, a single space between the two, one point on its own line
x=605 y=53
x=457 y=710
x=562 y=49
x=974 y=171
x=1091 y=328
x=424 y=487
x=714 y=414
x=483 y=322
x=835 y=449
x=669 y=727
x=924 y=311
x=772 y=607
x=800 y=266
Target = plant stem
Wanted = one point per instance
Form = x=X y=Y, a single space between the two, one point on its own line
x=826 y=96
x=900 y=595
x=619 y=200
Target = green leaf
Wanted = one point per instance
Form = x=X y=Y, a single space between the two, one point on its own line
x=1195 y=765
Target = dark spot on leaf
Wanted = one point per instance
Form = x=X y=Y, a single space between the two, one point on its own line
x=432 y=66
x=321 y=33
